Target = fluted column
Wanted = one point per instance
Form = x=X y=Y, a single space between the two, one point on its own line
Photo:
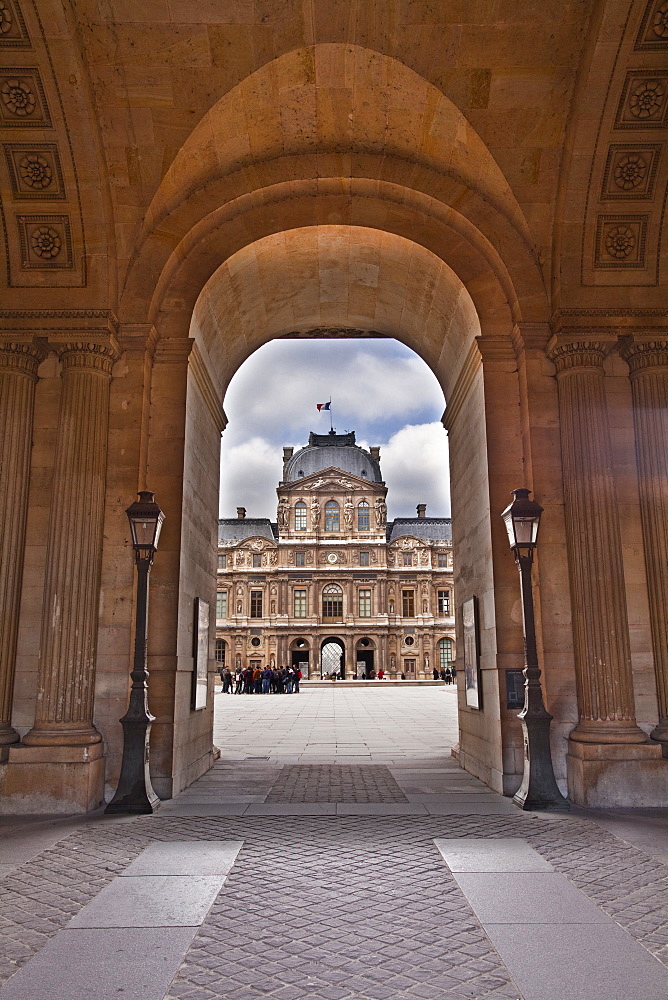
x=600 y=621
x=18 y=375
x=648 y=361
x=66 y=670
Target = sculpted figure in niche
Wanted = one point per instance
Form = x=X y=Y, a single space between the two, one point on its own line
x=380 y=508
x=315 y=513
x=273 y=557
x=348 y=512
x=283 y=513
x=424 y=557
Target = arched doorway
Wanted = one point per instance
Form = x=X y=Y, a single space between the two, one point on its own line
x=332 y=658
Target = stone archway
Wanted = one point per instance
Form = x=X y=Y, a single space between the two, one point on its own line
x=332 y=657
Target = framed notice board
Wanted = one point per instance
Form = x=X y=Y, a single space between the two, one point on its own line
x=472 y=653
x=201 y=655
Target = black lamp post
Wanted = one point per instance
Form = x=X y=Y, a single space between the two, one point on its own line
x=539 y=789
x=135 y=793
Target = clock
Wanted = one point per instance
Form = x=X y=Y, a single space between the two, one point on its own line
x=332 y=557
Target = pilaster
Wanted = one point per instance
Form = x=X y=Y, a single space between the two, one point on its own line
x=18 y=375
x=600 y=621
x=647 y=358
x=66 y=669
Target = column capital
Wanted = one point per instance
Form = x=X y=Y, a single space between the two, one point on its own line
x=645 y=352
x=23 y=357
x=95 y=356
x=573 y=353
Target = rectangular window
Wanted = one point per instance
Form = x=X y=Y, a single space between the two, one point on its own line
x=222 y=562
x=256 y=604
x=363 y=523
x=300 y=558
x=408 y=603
x=257 y=560
x=332 y=607
x=221 y=604
x=300 y=517
x=220 y=651
x=408 y=558
x=442 y=560
x=300 y=603
x=365 y=603
x=444 y=602
x=364 y=558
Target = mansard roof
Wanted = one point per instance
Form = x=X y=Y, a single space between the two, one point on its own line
x=232 y=530
x=430 y=529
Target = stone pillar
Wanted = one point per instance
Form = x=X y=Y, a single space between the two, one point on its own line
x=66 y=671
x=600 y=622
x=648 y=362
x=18 y=375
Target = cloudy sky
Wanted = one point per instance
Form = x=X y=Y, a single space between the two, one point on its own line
x=379 y=389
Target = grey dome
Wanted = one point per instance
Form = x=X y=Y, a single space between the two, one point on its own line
x=326 y=450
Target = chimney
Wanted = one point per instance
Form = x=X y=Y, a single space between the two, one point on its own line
x=375 y=453
x=422 y=510
x=241 y=513
x=287 y=454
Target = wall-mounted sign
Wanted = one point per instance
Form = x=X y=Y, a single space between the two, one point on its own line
x=201 y=654
x=471 y=653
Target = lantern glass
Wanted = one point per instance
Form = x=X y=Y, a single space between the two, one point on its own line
x=522 y=519
x=146 y=520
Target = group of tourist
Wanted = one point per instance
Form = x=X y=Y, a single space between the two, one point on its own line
x=447 y=675
x=256 y=680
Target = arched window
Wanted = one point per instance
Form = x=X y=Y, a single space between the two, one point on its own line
x=332 y=602
x=363 y=523
x=445 y=653
x=300 y=516
x=331 y=516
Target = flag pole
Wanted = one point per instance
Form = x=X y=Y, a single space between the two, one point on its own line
x=331 y=425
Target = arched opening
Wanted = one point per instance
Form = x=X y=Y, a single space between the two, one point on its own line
x=365 y=662
x=332 y=658
x=300 y=656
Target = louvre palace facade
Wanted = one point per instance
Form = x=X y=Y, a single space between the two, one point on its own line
x=332 y=586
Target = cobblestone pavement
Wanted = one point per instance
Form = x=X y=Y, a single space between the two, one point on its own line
x=329 y=907
x=335 y=783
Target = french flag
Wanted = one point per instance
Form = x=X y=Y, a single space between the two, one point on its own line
x=323 y=406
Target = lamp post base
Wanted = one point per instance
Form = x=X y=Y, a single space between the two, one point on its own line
x=539 y=789
x=135 y=793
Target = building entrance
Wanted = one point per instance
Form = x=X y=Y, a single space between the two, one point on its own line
x=332 y=659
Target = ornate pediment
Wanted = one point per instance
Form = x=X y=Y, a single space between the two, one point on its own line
x=333 y=479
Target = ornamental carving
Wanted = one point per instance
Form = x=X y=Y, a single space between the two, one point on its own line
x=22 y=99
x=6 y=19
x=12 y=26
x=643 y=101
x=17 y=97
x=653 y=32
x=45 y=242
x=645 y=354
x=620 y=241
x=578 y=354
x=35 y=171
x=630 y=171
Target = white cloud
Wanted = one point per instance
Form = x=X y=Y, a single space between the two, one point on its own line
x=380 y=389
x=414 y=464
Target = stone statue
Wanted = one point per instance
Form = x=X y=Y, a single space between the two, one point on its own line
x=315 y=513
x=380 y=508
x=283 y=512
x=348 y=512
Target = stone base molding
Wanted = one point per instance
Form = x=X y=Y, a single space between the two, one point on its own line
x=600 y=621
x=63 y=779
x=18 y=375
x=647 y=358
x=66 y=669
x=606 y=775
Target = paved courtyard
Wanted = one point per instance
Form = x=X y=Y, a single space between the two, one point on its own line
x=336 y=852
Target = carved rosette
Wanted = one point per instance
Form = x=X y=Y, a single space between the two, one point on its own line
x=66 y=670
x=600 y=622
x=18 y=375
x=648 y=363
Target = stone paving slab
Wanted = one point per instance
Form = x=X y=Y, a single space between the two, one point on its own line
x=151 y=901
